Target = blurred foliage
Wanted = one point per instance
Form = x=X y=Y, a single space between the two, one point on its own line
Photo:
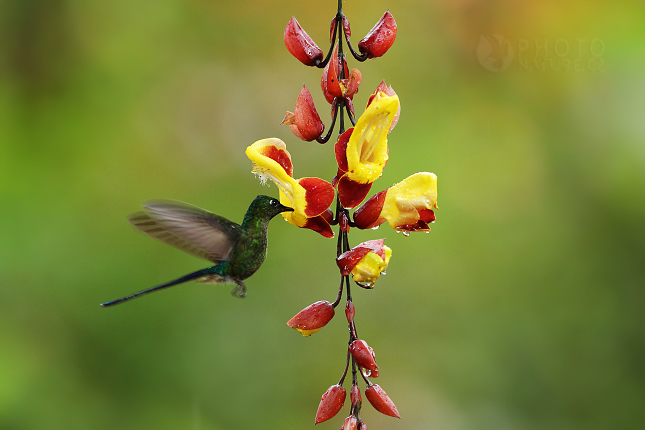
x=523 y=309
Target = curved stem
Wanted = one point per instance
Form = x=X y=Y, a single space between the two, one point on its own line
x=331 y=127
x=356 y=55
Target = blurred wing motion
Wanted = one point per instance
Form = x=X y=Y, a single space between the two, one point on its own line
x=189 y=228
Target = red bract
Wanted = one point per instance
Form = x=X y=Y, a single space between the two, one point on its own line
x=355 y=395
x=312 y=318
x=363 y=354
x=332 y=84
x=304 y=122
x=380 y=37
x=368 y=215
x=300 y=45
x=350 y=312
x=351 y=423
x=380 y=400
x=331 y=402
x=350 y=193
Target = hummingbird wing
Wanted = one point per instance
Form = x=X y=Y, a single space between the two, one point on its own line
x=189 y=228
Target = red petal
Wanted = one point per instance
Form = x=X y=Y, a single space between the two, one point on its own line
x=380 y=37
x=306 y=117
x=348 y=260
x=367 y=216
x=341 y=150
x=351 y=84
x=320 y=224
x=330 y=403
x=328 y=215
x=427 y=215
x=278 y=155
x=300 y=45
x=319 y=195
x=380 y=400
x=351 y=193
x=363 y=354
x=329 y=83
x=312 y=317
x=375 y=245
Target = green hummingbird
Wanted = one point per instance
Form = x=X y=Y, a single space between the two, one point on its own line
x=238 y=251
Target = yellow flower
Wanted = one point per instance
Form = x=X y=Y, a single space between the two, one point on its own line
x=407 y=206
x=367 y=146
x=310 y=198
x=366 y=262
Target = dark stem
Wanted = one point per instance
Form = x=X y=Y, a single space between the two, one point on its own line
x=340 y=293
x=356 y=55
x=331 y=127
x=349 y=114
x=342 y=378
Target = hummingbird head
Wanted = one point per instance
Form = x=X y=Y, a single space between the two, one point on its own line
x=267 y=207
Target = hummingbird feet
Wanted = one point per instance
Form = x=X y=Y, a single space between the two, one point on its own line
x=240 y=290
x=215 y=278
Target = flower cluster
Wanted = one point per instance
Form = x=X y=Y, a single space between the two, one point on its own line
x=361 y=153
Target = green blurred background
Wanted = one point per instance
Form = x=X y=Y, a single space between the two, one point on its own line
x=523 y=309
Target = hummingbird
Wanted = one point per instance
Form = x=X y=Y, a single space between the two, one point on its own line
x=238 y=251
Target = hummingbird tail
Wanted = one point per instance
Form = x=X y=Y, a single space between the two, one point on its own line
x=186 y=278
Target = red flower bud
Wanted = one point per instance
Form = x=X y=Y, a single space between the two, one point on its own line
x=380 y=37
x=381 y=402
x=312 y=318
x=304 y=122
x=350 y=312
x=363 y=354
x=346 y=29
x=300 y=45
x=351 y=423
x=355 y=395
x=331 y=402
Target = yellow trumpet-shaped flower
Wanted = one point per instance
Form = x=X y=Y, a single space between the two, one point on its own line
x=367 y=146
x=310 y=198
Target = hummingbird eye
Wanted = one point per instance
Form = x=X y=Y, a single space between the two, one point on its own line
x=273 y=203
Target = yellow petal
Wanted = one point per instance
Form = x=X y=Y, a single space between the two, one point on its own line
x=367 y=146
x=368 y=270
x=404 y=200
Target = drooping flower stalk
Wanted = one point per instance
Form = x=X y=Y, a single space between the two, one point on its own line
x=361 y=152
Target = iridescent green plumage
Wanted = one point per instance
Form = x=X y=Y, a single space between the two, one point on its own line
x=237 y=250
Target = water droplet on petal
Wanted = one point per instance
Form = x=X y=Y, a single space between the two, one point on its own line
x=375 y=228
x=406 y=233
x=367 y=372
